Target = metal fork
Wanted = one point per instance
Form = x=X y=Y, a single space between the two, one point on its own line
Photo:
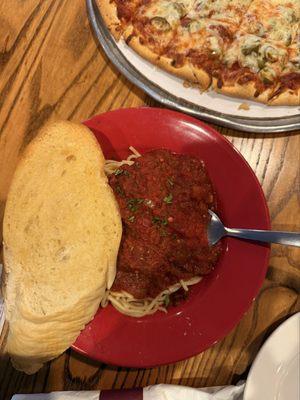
x=216 y=230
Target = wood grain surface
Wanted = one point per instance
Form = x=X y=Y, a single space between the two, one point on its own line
x=51 y=67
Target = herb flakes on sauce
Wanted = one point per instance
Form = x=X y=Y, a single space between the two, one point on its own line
x=166 y=300
x=133 y=204
x=168 y=199
x=170 y=182
x=159 y=221
x=131 y=218
x=120 y=190
x=121 y=172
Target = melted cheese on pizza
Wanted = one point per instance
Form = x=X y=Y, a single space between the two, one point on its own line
x=255 y=37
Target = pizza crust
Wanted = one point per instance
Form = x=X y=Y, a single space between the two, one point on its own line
x=203 y=78
x=246 y=91
x=186 y=72
x=108 y=11
x=286 y=98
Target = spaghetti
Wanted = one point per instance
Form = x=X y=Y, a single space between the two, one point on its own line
x=125 y=302
x=111 y=166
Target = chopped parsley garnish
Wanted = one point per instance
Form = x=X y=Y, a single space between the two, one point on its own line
x=170 y=182
x=120 y=190
x=131 y=218
x=168 y=199
x=160 y=221
x=156 y=220
x=121 y=172
x=166 y=300
x=163 y=232
x=133 y=204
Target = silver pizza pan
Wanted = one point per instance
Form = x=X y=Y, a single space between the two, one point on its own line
x=159 y=93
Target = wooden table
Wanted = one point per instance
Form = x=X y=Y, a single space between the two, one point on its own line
x=52 y=67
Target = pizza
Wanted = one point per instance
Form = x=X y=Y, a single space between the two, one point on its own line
x=241 y=48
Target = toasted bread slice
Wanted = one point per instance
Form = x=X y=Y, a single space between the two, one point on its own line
x=62 y=231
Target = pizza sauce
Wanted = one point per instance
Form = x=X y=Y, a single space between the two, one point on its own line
x=164 y=200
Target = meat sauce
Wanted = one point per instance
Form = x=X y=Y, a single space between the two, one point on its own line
x=164 y=200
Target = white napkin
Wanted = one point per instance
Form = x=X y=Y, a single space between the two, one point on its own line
x=156 y=392
x=174 y=392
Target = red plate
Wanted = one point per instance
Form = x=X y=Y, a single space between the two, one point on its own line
x=218 y=302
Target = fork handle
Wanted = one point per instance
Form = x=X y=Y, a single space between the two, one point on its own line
x=287 y=238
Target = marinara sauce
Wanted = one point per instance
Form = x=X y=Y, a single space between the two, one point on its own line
x=164 y=200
